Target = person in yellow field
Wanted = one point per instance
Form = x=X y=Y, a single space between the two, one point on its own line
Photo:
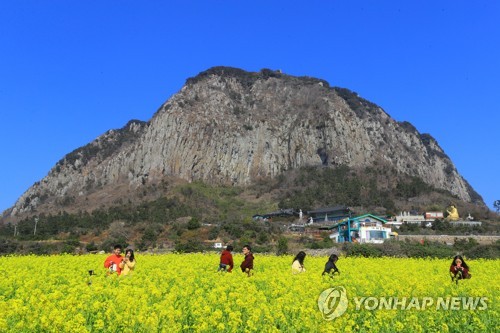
x=452 y=213
x=331 y=267
x=247 y=264
x=459 y=269
x=298 y=263
x=113 y=262
x=128 y=263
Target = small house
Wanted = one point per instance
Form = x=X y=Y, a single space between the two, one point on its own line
x=366 y=228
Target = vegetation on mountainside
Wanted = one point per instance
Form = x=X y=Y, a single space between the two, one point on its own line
x=191 y=217
x=373 y=189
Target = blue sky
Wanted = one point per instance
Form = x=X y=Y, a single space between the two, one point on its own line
x=71 y=70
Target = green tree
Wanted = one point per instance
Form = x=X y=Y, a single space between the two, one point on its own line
x=149 y=237
x=282 y=247
x=193 y=224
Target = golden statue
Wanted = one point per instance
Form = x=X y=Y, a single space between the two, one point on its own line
x=452 y=213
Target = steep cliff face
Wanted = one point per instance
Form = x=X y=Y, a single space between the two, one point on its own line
x=228 y=126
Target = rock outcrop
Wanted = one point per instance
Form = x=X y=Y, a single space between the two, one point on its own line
x=229 y=126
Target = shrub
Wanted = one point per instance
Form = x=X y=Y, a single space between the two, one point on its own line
x=427 y=249
x=188 y=247
x=193 y=224
x=361 y=250
x=91 y=247
x=282 y=246
x=484 y=251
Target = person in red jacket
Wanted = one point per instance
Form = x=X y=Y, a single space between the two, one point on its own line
x=226 y=260
x=113 y=262
x=247 y=264
x=459 y=269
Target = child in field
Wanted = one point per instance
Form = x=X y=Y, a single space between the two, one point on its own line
x=459 y=269
x=330 y=266
x=298 y=263
x=226 y=260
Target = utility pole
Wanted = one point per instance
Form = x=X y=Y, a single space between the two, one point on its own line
x=36 y=221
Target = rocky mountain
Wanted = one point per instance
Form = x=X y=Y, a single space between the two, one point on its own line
x=229 y=126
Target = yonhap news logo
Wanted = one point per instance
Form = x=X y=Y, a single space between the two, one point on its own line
x=333 y=302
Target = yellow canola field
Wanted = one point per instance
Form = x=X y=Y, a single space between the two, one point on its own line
x=184 y=293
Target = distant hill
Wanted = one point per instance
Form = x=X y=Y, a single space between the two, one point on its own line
x=230 y=127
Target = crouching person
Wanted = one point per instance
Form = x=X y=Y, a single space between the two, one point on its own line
x=247 y=264
x=459 y=270
x=226 y=260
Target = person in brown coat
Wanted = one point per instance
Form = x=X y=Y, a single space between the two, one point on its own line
x=247 y=264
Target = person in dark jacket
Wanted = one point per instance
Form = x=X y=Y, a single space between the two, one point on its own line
x=459 y=269
x=226 y=260
x=330 y=266
x=247 y=264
